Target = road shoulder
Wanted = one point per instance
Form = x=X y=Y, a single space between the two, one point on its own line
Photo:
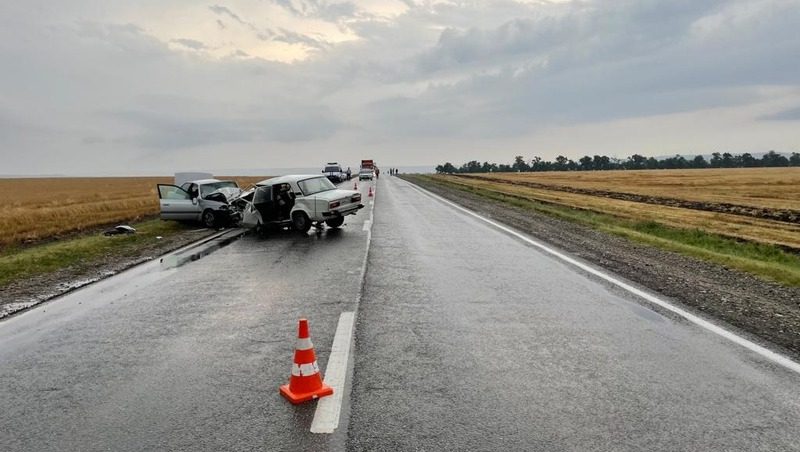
x=119 y=254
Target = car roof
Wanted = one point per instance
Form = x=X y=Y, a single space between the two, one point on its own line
x=287 y=178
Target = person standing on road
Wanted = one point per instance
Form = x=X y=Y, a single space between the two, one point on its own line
x=348 y=173
x=377 y=173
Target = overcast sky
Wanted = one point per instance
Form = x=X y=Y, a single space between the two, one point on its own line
x=115 y=86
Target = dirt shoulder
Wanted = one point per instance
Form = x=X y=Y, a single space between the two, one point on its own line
x=24 y=292
x=766 y=311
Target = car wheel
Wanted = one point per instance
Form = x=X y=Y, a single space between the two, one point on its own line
x=209 y=218
x=335 y=222
x=301 y=222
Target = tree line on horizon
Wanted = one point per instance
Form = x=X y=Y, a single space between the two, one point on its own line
x=634 y=162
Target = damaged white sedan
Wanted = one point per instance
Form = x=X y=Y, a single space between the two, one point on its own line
x=297 y=202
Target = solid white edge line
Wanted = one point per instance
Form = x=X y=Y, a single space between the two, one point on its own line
x=326 y=416
x=328 y=411
x=733 y=337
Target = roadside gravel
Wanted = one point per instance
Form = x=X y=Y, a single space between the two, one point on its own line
x=767 y=312
x=28 y=292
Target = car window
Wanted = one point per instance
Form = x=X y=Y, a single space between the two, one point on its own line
x=333 y=169
x=315 y=185
x=172 y=192
x=207 y=189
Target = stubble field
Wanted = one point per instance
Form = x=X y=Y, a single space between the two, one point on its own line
x=755 y=204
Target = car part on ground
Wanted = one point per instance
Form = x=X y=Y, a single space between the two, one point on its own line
x=120 y=230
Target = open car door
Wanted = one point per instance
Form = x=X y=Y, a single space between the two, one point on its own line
x=176 y=203
x=264 y=204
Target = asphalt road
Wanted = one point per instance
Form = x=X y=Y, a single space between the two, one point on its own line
x=470 y=339
x=182 y=359
x=467 y=338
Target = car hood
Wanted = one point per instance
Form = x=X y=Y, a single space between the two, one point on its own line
x=230 y=193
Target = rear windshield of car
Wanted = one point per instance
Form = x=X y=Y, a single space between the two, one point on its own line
x=315 y=185
x=332 y=169
x=207 y=189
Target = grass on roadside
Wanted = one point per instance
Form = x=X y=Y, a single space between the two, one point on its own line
x=767 y=261
x=80 y=252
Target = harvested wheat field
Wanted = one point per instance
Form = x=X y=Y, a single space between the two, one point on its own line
x=36 y=209
x=758 y=205
x=771 y=188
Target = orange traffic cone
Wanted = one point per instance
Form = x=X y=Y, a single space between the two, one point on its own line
x=370 y=192
x=355 y=185
x=305 y=383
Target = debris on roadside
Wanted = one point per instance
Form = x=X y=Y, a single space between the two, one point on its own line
x=120 y=230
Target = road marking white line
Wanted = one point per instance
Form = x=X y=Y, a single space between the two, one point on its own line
x=733 y=337
x=326 y=417
x=327 y=414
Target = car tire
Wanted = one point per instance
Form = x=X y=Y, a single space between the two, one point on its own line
x=209 y=218
x=301 y=222
x=335 y=222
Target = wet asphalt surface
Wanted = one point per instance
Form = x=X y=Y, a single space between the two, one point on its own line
x=469 y=339
x=466 y=339
x=184 y=359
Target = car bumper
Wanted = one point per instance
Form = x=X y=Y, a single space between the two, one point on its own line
x=349 y=210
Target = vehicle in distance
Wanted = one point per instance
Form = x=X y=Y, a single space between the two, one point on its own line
x=333 y=171
x=366 y=174
x=297 y=201
x=205 y=200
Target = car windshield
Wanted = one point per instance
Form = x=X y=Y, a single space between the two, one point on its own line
x=207 y=189
x=315 y=185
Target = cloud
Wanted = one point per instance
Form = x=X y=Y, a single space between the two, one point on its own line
x=321 y=9
x=594 y=64
x=224 y=11
x=190 y=43
x=415 y=82
x=792 y=114
x=291 y=37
